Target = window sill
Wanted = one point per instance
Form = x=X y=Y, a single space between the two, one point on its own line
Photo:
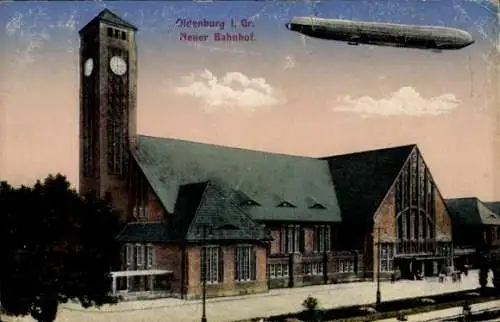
x=244 y=282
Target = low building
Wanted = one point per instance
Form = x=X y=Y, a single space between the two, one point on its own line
x=476 y=228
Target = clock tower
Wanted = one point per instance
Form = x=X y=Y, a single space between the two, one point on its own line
x=108 y=100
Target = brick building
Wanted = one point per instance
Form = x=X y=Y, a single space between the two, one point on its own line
x=476 y=228
x=247 y=220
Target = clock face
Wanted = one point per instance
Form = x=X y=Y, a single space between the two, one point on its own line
x=88 y=66
x=118 y=65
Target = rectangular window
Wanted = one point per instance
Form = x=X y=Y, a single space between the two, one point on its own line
x=211 y=262
x=124 y=35
x=150 y=255
x=346 y=266
x=386 y=257
x=283 y=240
x=139 y=255
x=322 y=238
x=296 y=239
x=313 y=269
x=129 y=255
x=110 y=32
x=403 y=221
x=290 y=239
x=278 y=271
x=328 y=238
x=245 y=264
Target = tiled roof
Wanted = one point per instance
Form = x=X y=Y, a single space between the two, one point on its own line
x=266 y=178
x=111 y=18
x=363 y=179
x=471 y=211
x=220 y=217
x=144 y=232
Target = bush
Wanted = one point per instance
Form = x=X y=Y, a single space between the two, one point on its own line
x=311 y=306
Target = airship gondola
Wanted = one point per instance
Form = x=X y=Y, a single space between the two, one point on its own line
x=382 y=34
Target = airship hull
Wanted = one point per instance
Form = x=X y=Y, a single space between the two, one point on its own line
x=384 y=34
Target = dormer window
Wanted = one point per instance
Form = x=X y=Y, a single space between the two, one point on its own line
x=286 y=204
x=317 y=206
x=250 y=202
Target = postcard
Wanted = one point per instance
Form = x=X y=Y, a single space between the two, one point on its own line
x=250 y=160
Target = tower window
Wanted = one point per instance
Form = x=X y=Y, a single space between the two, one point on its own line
x=110 y=32
x=124 y=35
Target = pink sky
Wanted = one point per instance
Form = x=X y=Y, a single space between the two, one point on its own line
x=315 y=102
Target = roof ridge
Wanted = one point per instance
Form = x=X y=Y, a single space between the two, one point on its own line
x=413 y=145
x=230 y=147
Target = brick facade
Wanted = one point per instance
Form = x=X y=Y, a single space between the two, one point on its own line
x=385 y=219
x=229 y=285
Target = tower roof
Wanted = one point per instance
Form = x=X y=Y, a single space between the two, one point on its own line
x=109 y=17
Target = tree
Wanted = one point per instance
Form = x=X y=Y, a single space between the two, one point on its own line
x=57 y=246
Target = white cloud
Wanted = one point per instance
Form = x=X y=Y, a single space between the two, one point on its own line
x=406 y=101
x=233 y=91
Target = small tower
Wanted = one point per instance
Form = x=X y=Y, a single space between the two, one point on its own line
x=108 y=106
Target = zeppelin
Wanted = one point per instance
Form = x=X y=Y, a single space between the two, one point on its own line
x=382 y=34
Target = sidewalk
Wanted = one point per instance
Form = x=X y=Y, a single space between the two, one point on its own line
x=245 y=307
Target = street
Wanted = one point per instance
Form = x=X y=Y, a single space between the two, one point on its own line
x=272 y=303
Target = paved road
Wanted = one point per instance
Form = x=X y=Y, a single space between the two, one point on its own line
x=243 y=307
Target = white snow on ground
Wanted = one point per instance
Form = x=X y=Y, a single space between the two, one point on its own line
x=272 y=303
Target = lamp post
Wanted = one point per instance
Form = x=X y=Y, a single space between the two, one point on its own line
x=204 y=260
x=379 y=295
x=466 y=312
x=204 y=275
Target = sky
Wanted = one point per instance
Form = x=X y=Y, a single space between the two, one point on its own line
x=281 y=92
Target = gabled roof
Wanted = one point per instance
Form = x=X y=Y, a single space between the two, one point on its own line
x=220 y=218
x=363 y=179
x=471 y=211
x=110 y=18
x=267 y=178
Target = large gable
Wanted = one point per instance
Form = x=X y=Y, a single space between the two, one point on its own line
x=471 y=211
x=363 y=179
x=268 y=179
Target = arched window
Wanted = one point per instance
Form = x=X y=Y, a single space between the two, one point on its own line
x=415 y=206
